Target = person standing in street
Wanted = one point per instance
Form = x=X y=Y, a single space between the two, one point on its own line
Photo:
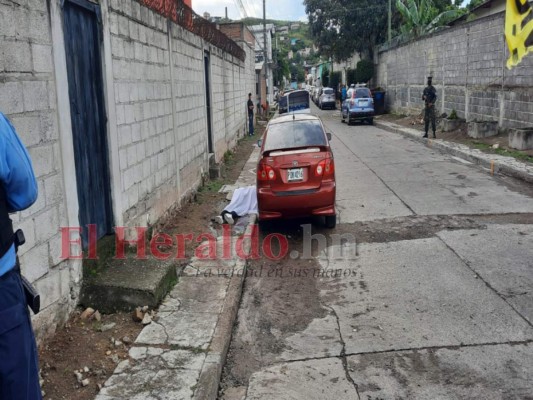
x=250 y=106
x=343 y=94
x=19 y=370
x=430 y=98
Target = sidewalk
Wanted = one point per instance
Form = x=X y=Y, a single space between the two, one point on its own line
x=496 y=163
x=181 y=354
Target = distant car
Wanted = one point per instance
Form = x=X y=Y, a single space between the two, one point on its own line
x=327 y=99
x=295 y=101
x=296 y=170
x=359 y=106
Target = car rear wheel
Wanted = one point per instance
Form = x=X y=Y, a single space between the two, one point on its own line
x=264 y=225
x=331 y=221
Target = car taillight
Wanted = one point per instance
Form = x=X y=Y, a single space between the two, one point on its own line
x=325 y=168
x=265 y=173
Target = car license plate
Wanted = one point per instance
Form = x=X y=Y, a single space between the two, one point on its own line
x=295 y=174
x=363 y=103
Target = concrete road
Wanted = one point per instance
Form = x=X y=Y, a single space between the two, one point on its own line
x=431 y=296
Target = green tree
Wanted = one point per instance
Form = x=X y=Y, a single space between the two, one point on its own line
x=474 y=3
x=364 y=71
x=351 y=76
x=325 y=77
x=421 y=17
x=335 y=79
x=281 y=65
x=297 y=72
x=341 y=27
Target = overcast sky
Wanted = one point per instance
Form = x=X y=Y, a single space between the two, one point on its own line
x=292 y=10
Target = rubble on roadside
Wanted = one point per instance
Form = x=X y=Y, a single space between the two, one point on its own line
x=143 y=315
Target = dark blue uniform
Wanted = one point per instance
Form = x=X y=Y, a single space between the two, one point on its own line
x=19 y=371
x=430 y=97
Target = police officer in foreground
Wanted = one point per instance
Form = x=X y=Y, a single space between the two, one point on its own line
x=19 y=371
x=430 y=98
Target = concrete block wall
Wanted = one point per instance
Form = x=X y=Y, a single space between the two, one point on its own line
x=155 y=99
x=467 y=63
x=28 y=99
x=159 y=81
x=144 y=114
x=190 y=110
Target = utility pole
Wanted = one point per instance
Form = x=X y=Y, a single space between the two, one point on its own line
x=265 y=50
x=390 y=18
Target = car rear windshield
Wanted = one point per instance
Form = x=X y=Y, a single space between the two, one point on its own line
x=288 y=135
x=328 y=91
x=362 y=93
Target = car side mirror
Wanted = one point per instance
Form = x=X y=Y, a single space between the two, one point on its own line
x=259 y=142
x=328 y=135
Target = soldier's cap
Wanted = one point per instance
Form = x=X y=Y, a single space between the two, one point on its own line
x=430 y=78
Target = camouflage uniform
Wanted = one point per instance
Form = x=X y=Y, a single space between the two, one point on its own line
x=430 y=98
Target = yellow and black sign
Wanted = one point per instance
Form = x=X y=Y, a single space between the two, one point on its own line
x=518 y=30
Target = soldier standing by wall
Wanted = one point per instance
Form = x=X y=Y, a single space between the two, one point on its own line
x=430 y=98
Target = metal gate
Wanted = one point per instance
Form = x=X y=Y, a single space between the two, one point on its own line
x=86 y=91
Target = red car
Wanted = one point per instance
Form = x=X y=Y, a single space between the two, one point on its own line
x=296 y=170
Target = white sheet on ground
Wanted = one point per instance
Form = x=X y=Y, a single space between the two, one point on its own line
x=243 y=201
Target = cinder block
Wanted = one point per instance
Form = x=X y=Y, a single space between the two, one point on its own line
x=28 y=227
x=35 y=94
x=39 y=27
x=49 y=287
x=120 y=113
x=7 y=22
x=41 y=158
x=65 y=277
x=28 y=128
x=123 y=26
x=42 y=58
x=126 y=7
x=481 y=129
x=521 y=139
x=47 y=224
x=124 y=135
x=123 y=159
x=34 y=265
x=132 y=156
x=21 y=20
x=53 y=189
x=135 y=133
x=113 y=23
x=129 y=113
x=129 y=178
x=17 y=56
x=37 y=5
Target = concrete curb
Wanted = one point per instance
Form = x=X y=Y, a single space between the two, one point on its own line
x=209 y=380
x=493 y=162
x=181 y=354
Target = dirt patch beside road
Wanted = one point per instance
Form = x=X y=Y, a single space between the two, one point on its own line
x=501 y=141
x=280 y=298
